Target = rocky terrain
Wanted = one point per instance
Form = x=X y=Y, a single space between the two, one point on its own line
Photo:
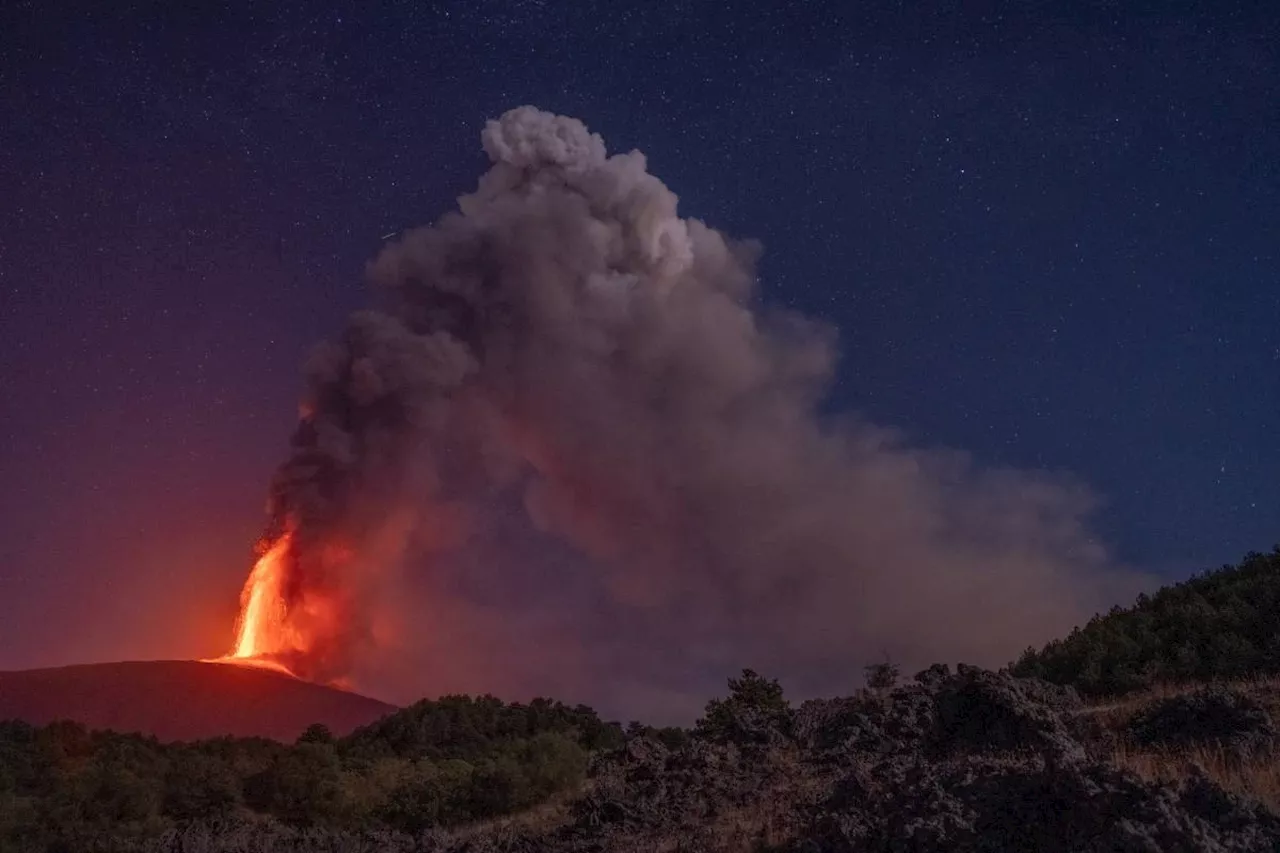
x=970 y=760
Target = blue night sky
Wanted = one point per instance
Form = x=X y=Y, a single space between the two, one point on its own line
x=1049 y=234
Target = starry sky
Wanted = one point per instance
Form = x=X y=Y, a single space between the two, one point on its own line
x=1048 y=232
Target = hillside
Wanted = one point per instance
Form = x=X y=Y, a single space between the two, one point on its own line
x=182 y=700
x=437 y=763
x=1166 y=713
x=1222 y=624
x=953 y=762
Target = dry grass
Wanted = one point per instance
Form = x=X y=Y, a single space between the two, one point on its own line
x=1257 y=779
x=766 y=825
x=1267 y=689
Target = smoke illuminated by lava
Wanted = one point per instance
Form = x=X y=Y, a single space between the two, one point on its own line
x=570 y=451
x=279 y=627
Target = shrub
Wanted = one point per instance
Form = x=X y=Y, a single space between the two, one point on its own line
x=882 y=676
x=316 y=733
x=199 y=786
x=754 y=712
x=301 y=787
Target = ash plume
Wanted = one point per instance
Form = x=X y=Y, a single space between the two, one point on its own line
x=569 y=453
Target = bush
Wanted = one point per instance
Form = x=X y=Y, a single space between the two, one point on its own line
x=110 y=792
x=316 y=733
x=428 y=795
x=301 y=787
x=754 y=712
x=882 y=676
x=551 y=763
x=199 y=786
x=470 y=728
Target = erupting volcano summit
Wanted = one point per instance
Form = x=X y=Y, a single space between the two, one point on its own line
x=279 y=628
x=568 y=407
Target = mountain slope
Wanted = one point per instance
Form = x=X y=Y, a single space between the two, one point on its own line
x=182 y=700
x=1223 y=624
x=951 y=763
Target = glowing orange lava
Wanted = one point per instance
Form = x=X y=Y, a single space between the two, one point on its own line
x=264 y=632
x=262 y=610
x=289 y=622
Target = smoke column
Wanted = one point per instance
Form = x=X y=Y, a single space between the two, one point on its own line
x=568 y=453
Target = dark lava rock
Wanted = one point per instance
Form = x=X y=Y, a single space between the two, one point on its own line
x=986 y=804
x=840 y=729
x=982 y=710
x=934 y=677
x=983 y=761
x=972 y=710
x=1210 y=716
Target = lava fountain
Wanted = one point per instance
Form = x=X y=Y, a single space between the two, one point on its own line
x=290 y=621
x=263 y=633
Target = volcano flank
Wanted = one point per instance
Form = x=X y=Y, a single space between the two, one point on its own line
x=178 y=700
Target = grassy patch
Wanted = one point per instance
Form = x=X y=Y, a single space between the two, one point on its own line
x=1257 y=779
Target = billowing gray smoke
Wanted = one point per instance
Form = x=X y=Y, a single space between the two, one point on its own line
x=570 y=455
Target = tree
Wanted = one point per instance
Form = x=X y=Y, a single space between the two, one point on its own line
x=498 y=787
x=422 y=797
x=199 y=786
x=316 y=733
x=883 y=675
x=61 y=784
x=111 y=792
x=301 y=786
x=552 y=762
x=1218 y=624
x=754 y=712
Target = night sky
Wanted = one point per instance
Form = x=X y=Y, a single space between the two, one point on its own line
x=1049 y=234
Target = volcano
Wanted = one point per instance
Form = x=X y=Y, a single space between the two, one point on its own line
x=177 y=700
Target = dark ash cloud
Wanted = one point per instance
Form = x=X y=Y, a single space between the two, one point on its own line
x=570 y=454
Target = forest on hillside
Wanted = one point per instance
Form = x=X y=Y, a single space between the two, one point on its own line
x=1218 y=625
x=435 y=763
